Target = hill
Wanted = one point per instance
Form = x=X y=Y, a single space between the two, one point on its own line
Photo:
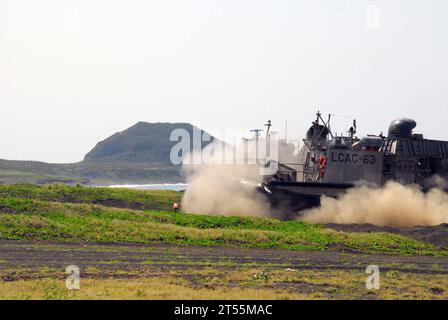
x=139 y=154
x=142 y=143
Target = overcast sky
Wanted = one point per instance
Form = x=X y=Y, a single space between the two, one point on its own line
x=74 y=72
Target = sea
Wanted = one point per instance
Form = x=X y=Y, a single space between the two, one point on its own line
x=153 y=186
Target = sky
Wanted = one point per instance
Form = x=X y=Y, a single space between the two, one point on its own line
x=73 y=72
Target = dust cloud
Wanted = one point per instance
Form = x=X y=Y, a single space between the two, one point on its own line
x=224 y=190
x=392 y=205
x=231 y=188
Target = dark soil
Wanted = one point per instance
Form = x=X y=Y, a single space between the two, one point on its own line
x=135 y=259
x=437 y=235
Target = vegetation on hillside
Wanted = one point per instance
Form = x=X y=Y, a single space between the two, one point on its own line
x=142 y=143
x=87 y=173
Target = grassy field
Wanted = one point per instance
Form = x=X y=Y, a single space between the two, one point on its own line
x=252 y=283
x=126 y=198
x=83 y=214
x=193 y=256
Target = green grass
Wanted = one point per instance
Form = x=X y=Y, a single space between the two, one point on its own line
x=120 y=197
x=37 y=213
x=13 y=176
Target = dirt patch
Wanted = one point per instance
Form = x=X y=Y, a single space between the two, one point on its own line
x=5 y=209
x=437 y=235
x=107 y=259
